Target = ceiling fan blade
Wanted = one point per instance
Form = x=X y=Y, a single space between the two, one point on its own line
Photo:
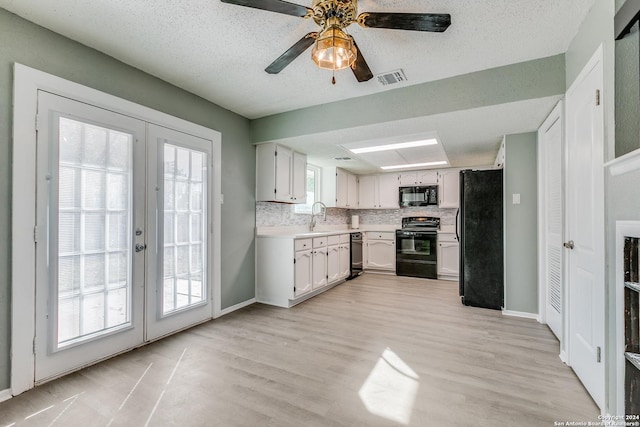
x=277 y=6
x=360 y=68
x=436 y=22
x=292 y=53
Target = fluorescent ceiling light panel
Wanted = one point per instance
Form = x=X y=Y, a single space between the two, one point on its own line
x=414 y=165
x=397 y=146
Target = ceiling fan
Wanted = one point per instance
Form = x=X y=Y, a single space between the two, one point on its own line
x=334 y=49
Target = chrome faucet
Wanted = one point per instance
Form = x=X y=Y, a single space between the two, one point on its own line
x=323 y=212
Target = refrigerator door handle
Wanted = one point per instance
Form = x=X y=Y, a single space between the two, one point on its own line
x=457 y=215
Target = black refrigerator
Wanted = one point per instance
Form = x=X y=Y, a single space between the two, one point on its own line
x=481 y=238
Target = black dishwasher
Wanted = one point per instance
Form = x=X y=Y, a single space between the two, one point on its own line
x=356 y=255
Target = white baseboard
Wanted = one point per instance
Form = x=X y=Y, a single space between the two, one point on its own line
x=563 y=357
x=522 y=314
x=236 y=307
x=5 y=395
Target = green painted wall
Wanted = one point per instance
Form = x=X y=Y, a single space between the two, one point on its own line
x=521 y=223
x=526 y=80
x=627 y=95
x=31 y=45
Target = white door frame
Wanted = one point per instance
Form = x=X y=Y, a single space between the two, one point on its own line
x=27 y=82
x=596 y=58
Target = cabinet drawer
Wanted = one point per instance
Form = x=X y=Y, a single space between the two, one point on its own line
x=333 y=240
x=345 y=238
x=302 y=244
x=381 y=235
x=319 y=242
x=447 y=237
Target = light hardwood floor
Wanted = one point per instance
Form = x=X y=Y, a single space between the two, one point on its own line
x=376 y=351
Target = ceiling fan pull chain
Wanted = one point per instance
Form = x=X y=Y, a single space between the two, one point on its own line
x=333 y=79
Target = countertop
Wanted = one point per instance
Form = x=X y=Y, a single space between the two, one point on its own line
x=302 y=232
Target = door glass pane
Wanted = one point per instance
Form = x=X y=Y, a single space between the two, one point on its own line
x=184 y=237
x=94 y=231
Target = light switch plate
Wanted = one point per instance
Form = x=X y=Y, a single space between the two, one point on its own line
x=516 y=199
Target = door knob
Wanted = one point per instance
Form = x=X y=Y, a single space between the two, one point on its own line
x=569 y=244
x=140 y=247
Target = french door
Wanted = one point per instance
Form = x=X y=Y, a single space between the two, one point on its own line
x=122 y=252
x=178 y=247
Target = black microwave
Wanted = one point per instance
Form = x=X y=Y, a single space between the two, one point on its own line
x=418 y=196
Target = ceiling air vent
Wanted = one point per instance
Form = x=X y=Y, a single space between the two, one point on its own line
x=392 y=77
x=342 y=159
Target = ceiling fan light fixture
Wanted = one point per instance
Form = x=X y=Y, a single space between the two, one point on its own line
x=334 y=49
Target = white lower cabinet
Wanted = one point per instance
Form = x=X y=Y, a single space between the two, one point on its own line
x=319 y=267
x=338 y=258
x=302 y=267
x=344 y=256
x=290 y=270
x=380 y=251
x=448 y=256
x=333 y=263
x=319 y=257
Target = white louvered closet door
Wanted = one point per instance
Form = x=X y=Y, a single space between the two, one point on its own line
x=551 y=142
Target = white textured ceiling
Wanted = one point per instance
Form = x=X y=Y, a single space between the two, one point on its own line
x=219 y=51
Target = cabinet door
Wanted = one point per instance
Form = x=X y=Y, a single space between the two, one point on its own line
x=299 y=178
x=352 y=191
x=427 y=177
x=302 y=278
x=333 y=263
x=368 y=189
x=319 y=270
x=284 y=158
x=345 y=260
x=449 y=189
x=388 y=191
x=381 y=254
x=342 y=188
x=448 y=258
x=407 y=179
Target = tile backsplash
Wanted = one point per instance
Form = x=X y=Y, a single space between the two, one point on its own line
x=270 y=214
x=282 y=214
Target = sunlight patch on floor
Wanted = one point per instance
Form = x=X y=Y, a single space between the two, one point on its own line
x=390 y=389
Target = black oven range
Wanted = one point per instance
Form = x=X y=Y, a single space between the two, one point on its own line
x=416 y=253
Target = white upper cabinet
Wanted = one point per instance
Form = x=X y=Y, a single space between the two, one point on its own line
x=368 y=192
x=299 y=174
x=378 y=191
x=388 y=197
x=339 y=188
x=280 y=174
x=412 y=178
x=449 y=188
x=283 y=174
x=352 y=190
